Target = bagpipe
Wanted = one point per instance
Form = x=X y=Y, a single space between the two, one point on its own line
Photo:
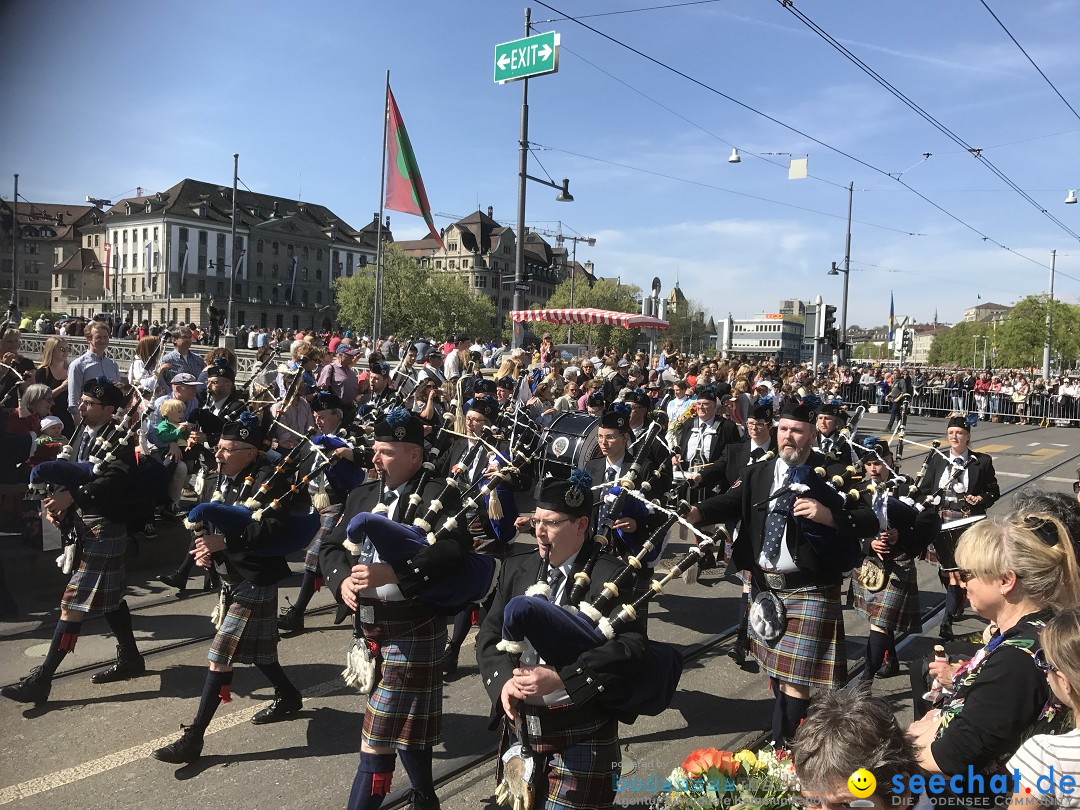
x=916 y=530
x=604 y=535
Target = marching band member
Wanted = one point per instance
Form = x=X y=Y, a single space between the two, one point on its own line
x=98 y=583
x=705 y=439
x=330 y=489
x=967 y=485
x=490 y=536
x=404 y=713
x=570 y=715
x=830 y=421
x=248 y=632
x=894 y=607
x=799 y=579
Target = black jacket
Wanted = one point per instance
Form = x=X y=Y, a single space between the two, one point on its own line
x=745 y=502
x=727 y=469
x=601 y=678
x=982 y=480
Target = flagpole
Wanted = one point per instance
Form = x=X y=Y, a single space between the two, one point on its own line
x=230 y=332
x=376 y=327
x=165 y=263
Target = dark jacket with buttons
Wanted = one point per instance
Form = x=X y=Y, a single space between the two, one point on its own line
x=600 y=680
x=745 y=501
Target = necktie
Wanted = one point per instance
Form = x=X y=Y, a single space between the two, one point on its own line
x=776 y=520
x=879 y=510
x=84 y=445
x=367 y=550
x=554 y=580
x=756 y=453
x=609 y=478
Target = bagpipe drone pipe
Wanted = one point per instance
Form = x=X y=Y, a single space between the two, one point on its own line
x=917 y=528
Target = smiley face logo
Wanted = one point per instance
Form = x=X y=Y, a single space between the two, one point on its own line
x=862 y=783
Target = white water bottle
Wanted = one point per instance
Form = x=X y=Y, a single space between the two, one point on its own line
x=936 y=688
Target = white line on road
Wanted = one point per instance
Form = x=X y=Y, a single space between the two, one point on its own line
x=1034 y=444
x=1059 y=479
x=1012 y=474
x=42 y=784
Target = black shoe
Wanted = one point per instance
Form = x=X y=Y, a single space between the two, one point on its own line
x=150 y=531
x=738 y=653
x=708 y=560
x=422 y=801
x=291 y=620
x=945 y=632
x=34 y=688
x=174 y=580
x=450 y=663
x=281 y=708
x=129 y=663
x=890 y=669
x=187 y=749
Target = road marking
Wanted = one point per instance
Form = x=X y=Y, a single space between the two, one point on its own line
x=43 y=784
x=1012 y=474
x=1059 y=480
x=993 y=448
x=1046 y=453
x=1060 y=445
x=1034 y=444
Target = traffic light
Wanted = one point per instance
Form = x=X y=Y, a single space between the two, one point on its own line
x=829 y=330
x=909 y=341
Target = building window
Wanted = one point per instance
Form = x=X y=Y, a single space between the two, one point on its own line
x=273 y=294
x=290 y=249
x=258 y=269
x=318 y=274
x=220 y=288
x=451 y=246
x=125 y=261
x=97 y=240
x=438 y=264
x=275 y=248
x=318 y=254
x=259 y=292
x=115 y=238
x=183 y=232
x=452 y=264
x=303 y=274
x=221 y=241
x=202 y=285
x=202 y=238
x=303 y=298
x=318 y=297
x=305 y=253
x=145 y=234
x=71 y=280
x=273 y=270
x=279 y=321
x=259 y=246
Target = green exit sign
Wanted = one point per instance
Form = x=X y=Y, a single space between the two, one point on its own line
x=523 y=58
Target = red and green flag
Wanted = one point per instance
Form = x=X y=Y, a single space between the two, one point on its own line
x=404 y=186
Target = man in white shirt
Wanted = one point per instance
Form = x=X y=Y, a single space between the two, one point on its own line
x=92 y=363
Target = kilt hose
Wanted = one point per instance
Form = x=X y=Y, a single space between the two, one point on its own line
x=328 y=519
x=896 y=606
x=576 y=768
x=98 y=582
x=249 y=633
x=405 y=708
x=811 y=652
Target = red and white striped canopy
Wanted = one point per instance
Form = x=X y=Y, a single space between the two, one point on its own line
x=606 y=317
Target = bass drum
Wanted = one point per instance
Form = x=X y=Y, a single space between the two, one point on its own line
x=944 y=553
x=570 y=441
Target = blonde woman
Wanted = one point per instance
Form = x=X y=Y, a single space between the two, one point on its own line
x=138 y=375
x=53 y=372
x=1018 y=572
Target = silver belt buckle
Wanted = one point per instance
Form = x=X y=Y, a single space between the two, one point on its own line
x=532 y=723
x=775 y=581
x=367 y=614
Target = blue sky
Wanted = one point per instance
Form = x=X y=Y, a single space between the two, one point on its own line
x=101 y=98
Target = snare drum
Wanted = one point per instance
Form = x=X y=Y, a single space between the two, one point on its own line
x=949 y=536
x=569 y=442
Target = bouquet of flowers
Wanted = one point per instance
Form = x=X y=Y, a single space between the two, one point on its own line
x=710 y=779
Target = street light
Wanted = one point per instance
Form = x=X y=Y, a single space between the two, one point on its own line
x=846 y=270
x=1071 y=198
x=591 y=242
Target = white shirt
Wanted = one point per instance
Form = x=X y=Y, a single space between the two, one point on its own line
x=698 y=436
x=785 y=563
x=530 y=657
x=753 y=447
x=391 y=592
x=947 y=475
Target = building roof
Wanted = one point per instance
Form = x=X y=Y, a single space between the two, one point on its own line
x=60 y=219
x=79 y=260
x=255 y=210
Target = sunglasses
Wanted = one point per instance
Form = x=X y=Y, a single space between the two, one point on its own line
x=966 y=575
x=1043 y=664
x=1076 y=487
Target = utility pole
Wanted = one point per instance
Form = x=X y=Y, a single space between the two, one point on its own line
x=13 y=305
x=1049 y=318
x=523 y=169
x=847 y=274
x=231 y=331
x=819 y=326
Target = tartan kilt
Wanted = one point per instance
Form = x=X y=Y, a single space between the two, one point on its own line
x=812 y=651
x=896 y=606
x=249 y=633
x=328 y=519
x=405 y=708
x=98 y=582
x=579 y=767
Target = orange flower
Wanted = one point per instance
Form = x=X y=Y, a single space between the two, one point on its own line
x=701 y=760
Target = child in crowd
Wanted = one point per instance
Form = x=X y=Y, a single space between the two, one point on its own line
x=50 y=441
x=169 y=430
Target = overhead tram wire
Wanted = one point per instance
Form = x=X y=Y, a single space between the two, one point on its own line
x=1028 y=56
x=655 y=173
x=661 y=105
x=922 y=113
x=636 y=10
x=985 y=237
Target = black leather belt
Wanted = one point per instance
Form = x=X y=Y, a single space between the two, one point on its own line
x=778 y=581
x=375 y=611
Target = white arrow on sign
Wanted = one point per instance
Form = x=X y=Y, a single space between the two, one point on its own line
x=504 y=60
x=545 y=52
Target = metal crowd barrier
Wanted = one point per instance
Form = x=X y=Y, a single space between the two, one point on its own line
x=937 y=401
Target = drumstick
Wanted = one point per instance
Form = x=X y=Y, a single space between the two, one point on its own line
x=670 y=512
x=937 y=450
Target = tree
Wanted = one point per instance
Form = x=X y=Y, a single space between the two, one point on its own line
x=870 y=351
x=605 y=294
x=416 y=301
x=956 y=346
x=1020 y=338
x=687 y=328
